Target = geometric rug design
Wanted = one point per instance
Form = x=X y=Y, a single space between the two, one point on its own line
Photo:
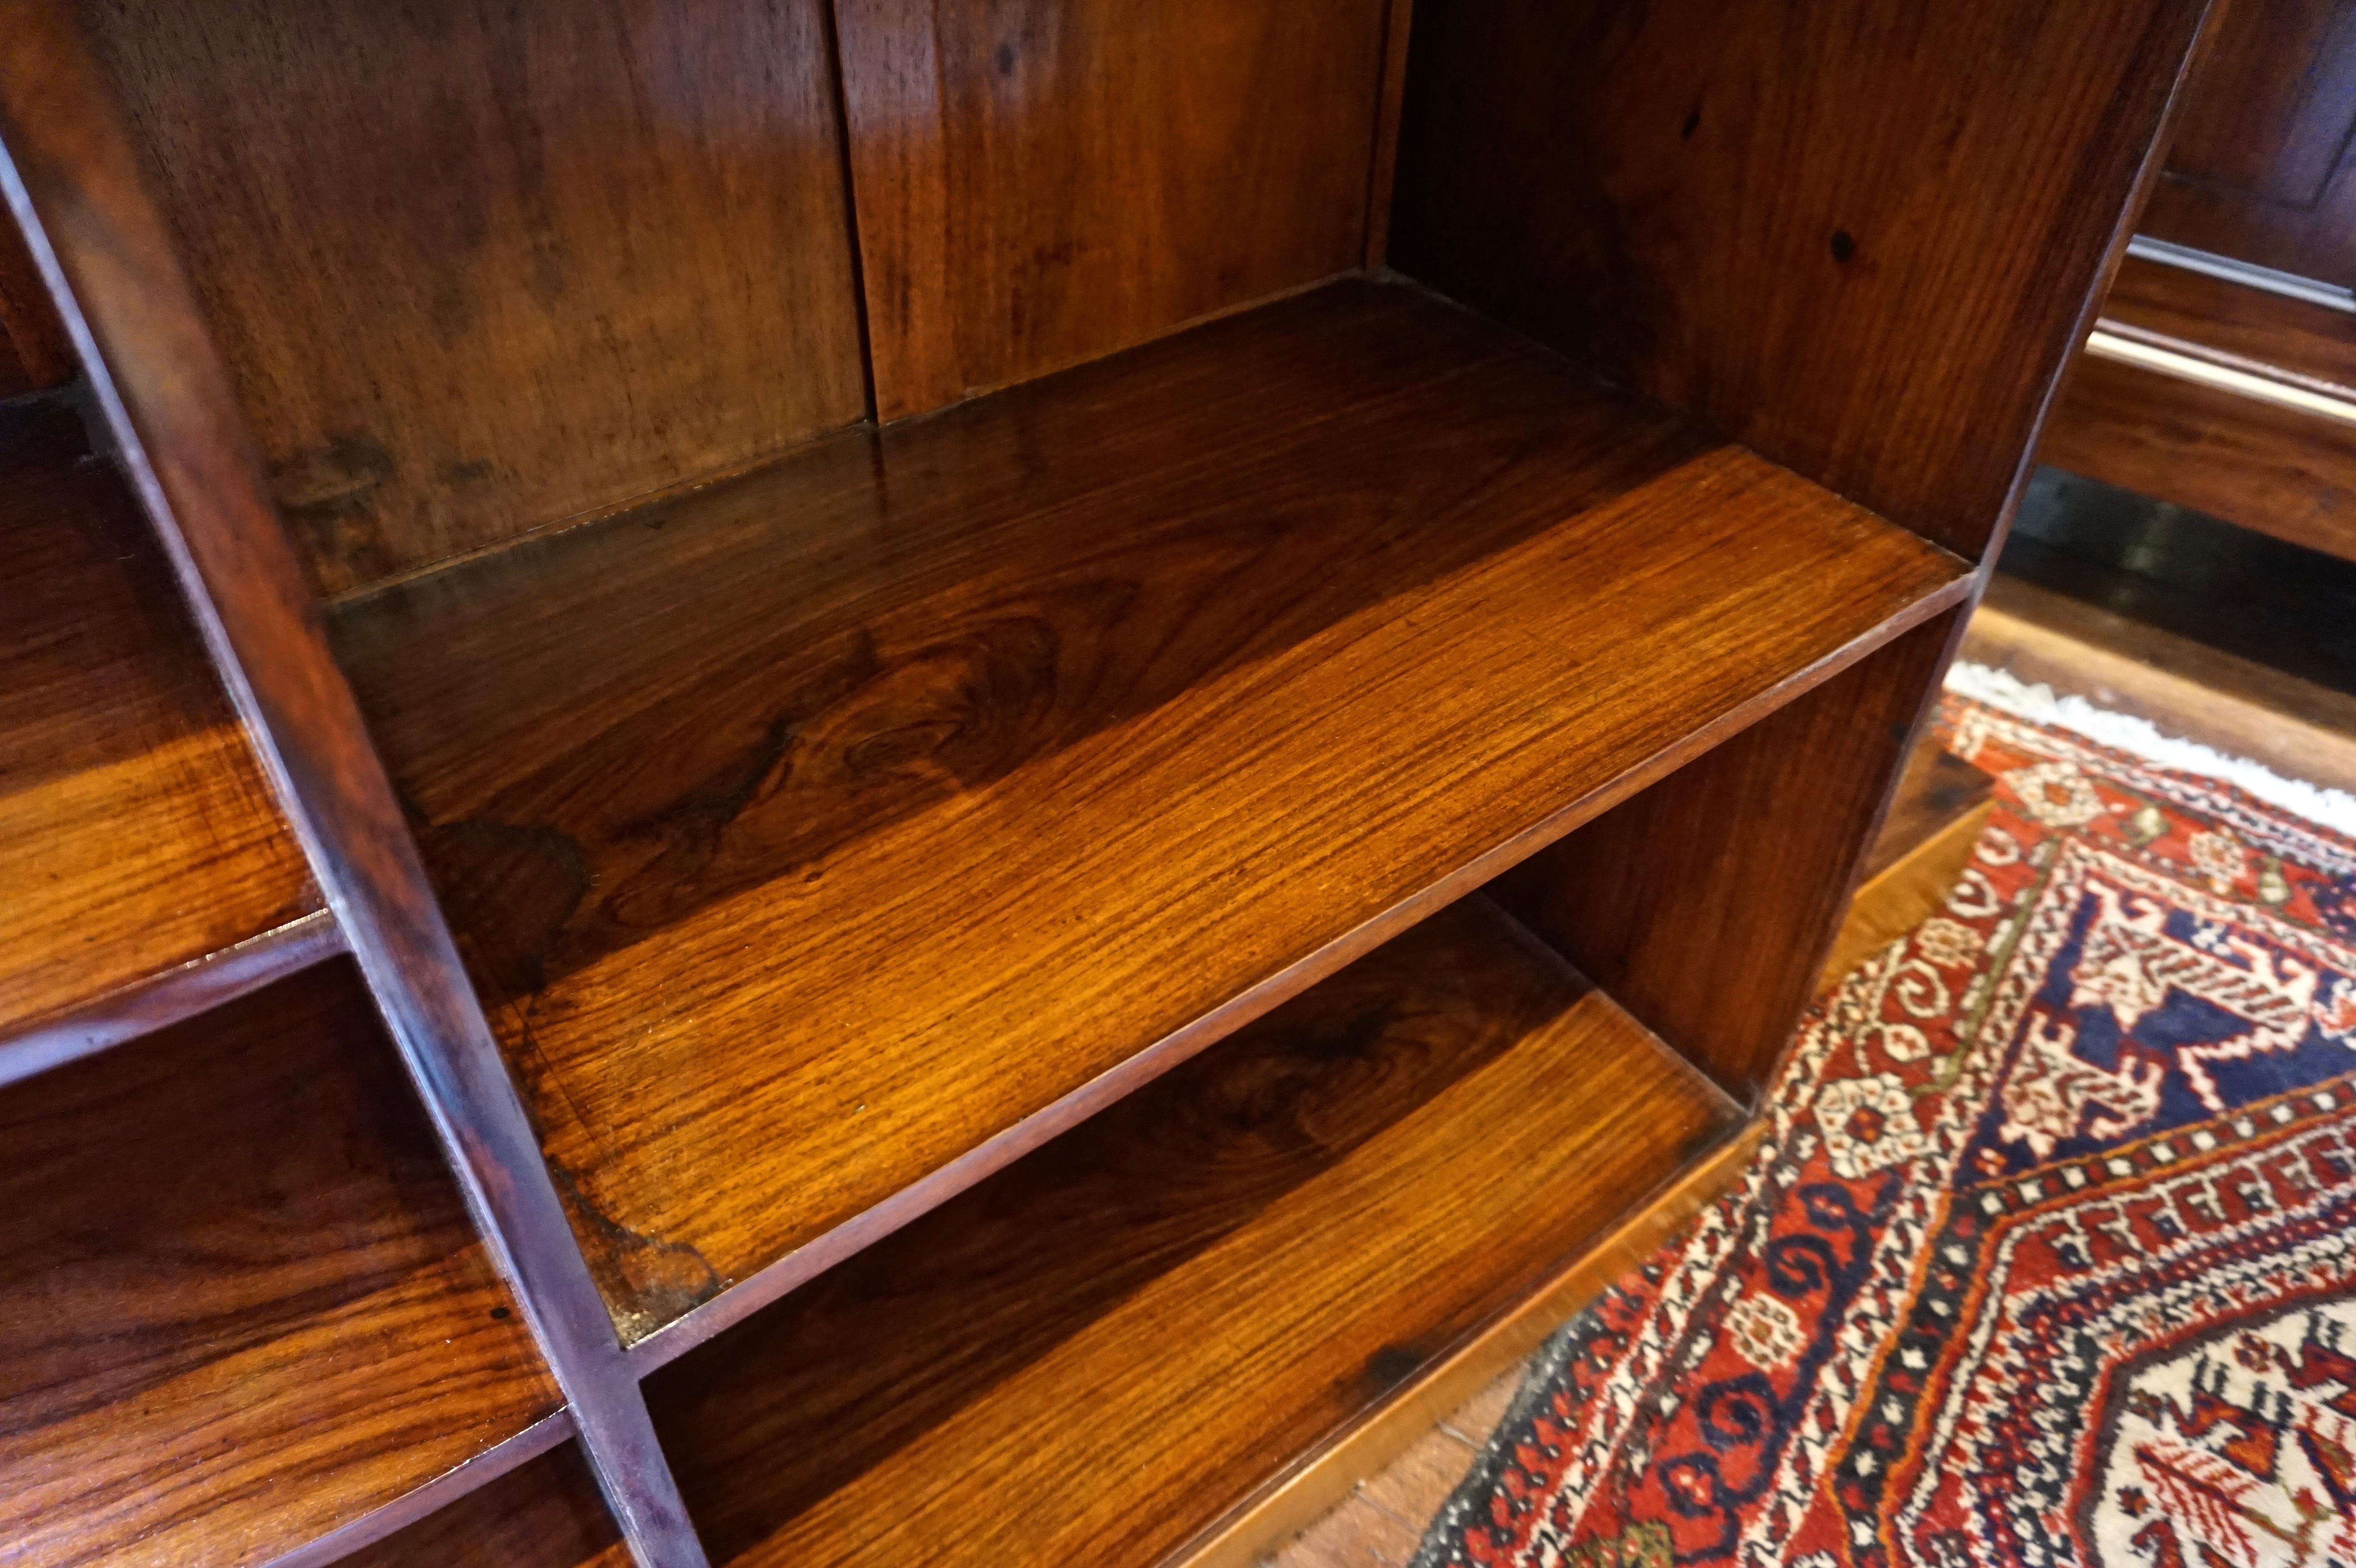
x=2049 y=1256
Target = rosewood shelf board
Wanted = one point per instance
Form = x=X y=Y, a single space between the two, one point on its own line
x=1090 y=1356
x=137 y=834
x=246 y=1303
x=823 y=839
x=543 y=1514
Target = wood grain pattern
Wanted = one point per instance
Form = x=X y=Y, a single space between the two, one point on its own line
x=1085 y=1358
x=2291 y=339
x=194 y=987
x=1862 y=243
x=73 y=180
x=476 y=268
x=2281 y=471
x=34 y=353
x=2258 y=168
x=135 y=833
x=1706 y=903
x=1158 y=685
x=1449 y=1393
x=245 y=1301
x=1043 y=182
x=546 y=1514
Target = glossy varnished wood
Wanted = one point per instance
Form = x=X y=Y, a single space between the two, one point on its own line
x=2258 y=168
x=135 y=832
x=245 y=1303
x=1366 y=1454
x=810 y=833
x=1041 y=182
x=1088 y=1357
x=2282 y=470
x=34 y=354
x=1937 y=789
x=71 y=176
x=1706 y=904
x=546 y=1514
x=1860 y=242
x=475 y=269
x=2255 y=329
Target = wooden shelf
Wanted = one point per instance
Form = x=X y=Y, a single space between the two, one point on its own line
x=255 y=1304
x=1094 y=1354
x=136 y=836
x=822 y=840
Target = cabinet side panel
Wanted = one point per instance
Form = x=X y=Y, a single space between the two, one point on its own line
x=477 y=269
x=1706 y=904
x=1858 y=235
x=1043 y=182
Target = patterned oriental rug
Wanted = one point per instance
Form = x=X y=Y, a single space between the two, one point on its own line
x=2050 y=1255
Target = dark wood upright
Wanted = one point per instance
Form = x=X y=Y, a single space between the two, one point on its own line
x=1071 y=745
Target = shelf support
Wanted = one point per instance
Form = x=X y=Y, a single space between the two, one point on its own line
x=106 y=254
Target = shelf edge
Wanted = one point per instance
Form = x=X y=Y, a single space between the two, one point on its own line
x=507 y=1454
x=172 y=997
x=747 y=1295
x=1296 y=1499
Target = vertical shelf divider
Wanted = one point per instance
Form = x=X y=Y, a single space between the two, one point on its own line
x=102 y=246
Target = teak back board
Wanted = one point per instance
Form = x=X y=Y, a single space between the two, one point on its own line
x=475 y=271
x=367 y=294
x=1885 y=313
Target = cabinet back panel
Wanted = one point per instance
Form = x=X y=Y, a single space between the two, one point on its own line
x=1858 y=237
x=1042 y=181
x=476 y=268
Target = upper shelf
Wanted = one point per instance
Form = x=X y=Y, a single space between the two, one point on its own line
x=135 y=832
x=809 y=831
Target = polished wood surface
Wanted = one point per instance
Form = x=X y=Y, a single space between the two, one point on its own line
x=546 y=1514
x=1042 y=181
x=34 y=353
x=135 y=833
x=1831 y=233
x=1706 y=903
x=1926 y=841
x=2239 y=707
x=200 y=984
x=2282 y=470
x=2258 y=168
x=1937 y=789
x=168 y=406
x=475 y=270
x=245 y=1303
x=1084 y=1358
x=2267 y=334
x=808 y=833
x=1370 y=1454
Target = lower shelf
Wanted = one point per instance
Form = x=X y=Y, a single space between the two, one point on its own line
x=245 y=1303
x=1095 y=1353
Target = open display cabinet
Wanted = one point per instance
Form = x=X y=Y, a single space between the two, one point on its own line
x=1074 y=746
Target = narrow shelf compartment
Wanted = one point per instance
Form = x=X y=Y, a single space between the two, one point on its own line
x=823 y=838
x=246 y=1306
x=1097 y=1351
x=543 y=1514
x=136 y=836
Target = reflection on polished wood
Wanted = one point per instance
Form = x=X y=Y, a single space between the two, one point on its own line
x=810 y=832
x=1042 y=181
x=1089 y=1356
x=244 y=1300
x=137 y=834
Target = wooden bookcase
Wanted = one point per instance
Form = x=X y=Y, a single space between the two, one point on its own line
x=945 y=784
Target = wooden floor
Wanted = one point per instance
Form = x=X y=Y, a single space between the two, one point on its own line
x=2186 y=688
